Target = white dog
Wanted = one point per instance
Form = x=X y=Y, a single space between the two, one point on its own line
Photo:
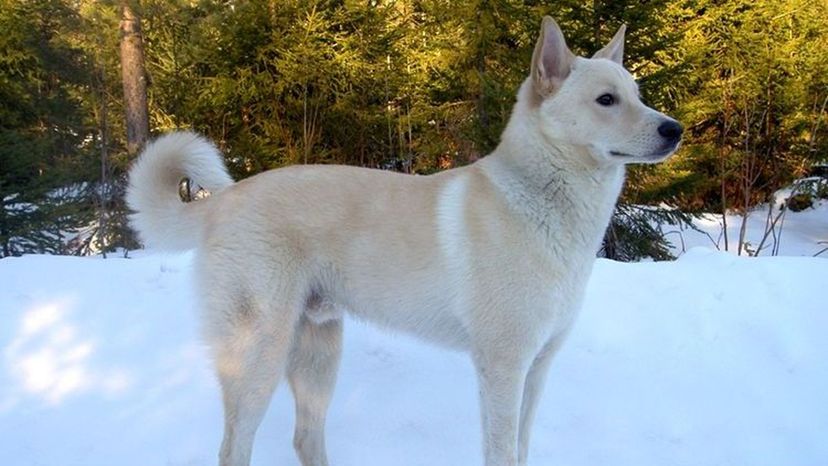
x=491 y=258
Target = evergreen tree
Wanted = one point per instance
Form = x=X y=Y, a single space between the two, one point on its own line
x=45 y=196
x=415 y=86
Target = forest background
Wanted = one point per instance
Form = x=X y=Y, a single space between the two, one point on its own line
x=412 y=86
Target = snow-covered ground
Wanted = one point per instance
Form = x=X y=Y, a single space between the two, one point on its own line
x=797 y=233
x=709 y=360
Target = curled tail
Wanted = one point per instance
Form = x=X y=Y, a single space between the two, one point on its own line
x=161 y=219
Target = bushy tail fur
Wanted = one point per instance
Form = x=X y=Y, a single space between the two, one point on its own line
x=161 y=219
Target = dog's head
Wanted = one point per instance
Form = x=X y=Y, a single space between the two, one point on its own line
x=594 y=103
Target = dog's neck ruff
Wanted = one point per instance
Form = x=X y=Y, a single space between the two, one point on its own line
x=561 y=190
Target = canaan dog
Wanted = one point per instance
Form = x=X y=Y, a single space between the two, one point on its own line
x=491 y=258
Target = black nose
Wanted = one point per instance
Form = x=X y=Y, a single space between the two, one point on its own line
x=671 y=130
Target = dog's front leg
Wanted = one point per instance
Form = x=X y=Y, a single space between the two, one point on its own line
x=501 y=382
x=535 y=381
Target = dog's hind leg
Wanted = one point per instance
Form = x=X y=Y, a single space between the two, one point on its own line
x=251 y=354
x=312 y=375
x=532 y=390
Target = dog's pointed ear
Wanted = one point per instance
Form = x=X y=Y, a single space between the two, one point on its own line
x=552 y=59
x=615 y=49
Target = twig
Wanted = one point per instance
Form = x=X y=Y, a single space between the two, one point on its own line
x=681 y=238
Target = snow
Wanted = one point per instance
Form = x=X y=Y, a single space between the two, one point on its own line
x=802 y=233
x=709 y=360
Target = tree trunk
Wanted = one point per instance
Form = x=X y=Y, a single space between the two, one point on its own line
x=134 y=78
x=104 y=190
x=596 y=24
x=480 y=66
x=724 y=129
x=4 y=234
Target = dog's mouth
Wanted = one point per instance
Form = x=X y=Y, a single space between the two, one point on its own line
x=652 y=157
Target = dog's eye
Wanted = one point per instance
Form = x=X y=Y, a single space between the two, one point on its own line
x=606 y=100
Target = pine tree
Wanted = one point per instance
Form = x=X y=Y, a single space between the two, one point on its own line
x=45 y=197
